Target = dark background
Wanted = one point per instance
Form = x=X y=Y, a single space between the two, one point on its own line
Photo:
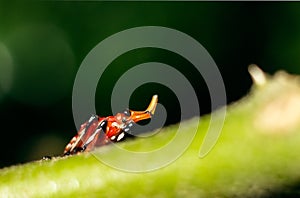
x=42 y=45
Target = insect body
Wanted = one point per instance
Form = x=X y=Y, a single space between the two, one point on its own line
x=98 y=131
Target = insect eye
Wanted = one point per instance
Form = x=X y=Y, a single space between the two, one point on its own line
x=127 y=112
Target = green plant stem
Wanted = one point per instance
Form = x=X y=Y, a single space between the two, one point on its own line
x=250 y=159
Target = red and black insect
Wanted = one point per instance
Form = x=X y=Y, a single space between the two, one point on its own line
x=98 y=131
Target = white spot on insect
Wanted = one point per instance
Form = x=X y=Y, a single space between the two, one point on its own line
x=69 y=146
x=91 y=118
x=73 y=139
x=120 y=136
x=114 y=124
x=126 y=129
x=113 y=137
x=130 y=124
x=102 y=123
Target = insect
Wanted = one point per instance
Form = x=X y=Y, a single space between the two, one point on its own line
x=98 y=131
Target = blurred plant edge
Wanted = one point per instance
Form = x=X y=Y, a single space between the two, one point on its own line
x=273 y=103
x=256 y=154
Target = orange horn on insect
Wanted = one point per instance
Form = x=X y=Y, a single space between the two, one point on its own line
x=142 y=115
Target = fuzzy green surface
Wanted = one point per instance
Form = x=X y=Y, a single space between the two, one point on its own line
x=245 y=162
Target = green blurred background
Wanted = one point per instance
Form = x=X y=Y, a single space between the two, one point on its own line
x=42 y=45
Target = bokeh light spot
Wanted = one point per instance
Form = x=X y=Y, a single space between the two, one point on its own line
x=44 y=64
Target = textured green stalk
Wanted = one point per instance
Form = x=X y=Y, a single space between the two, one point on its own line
x=257 y=155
